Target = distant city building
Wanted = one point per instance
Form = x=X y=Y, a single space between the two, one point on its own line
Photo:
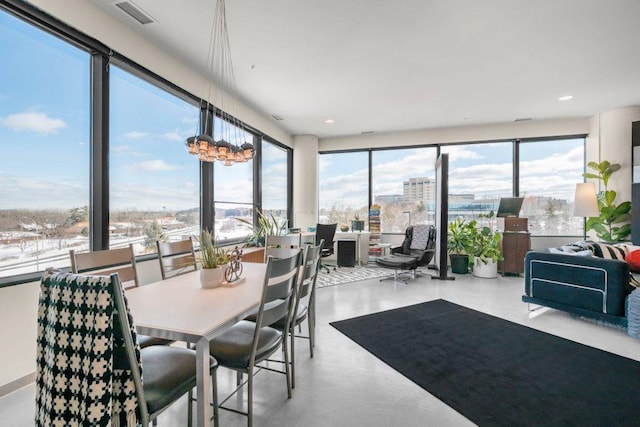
x=418 y=190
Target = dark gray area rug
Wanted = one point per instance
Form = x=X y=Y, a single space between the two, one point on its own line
x=496 y=372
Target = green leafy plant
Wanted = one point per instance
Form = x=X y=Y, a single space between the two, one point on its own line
x=613 y=223
x=460 y=236
x=485 y=243
x=267 y=225
x=211 y=255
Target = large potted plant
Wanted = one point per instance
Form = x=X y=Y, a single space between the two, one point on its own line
x=459 y=239
x=485 y=251
x=613 y=223
x=213 y=260
x=267 y=225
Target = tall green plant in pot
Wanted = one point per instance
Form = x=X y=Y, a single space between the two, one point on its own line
x=613 y=223
x=459 y=238
x=267 y=225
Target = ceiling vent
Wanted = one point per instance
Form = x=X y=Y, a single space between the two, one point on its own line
x=277 y=117
x=367 y=132
x=523 y=119
x=135 y=12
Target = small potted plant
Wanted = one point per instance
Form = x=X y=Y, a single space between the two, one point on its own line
x=213 y=260
x=356 y=223
x=459 y=239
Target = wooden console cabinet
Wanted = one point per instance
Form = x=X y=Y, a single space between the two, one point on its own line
x=515 y=245
x=516 y=242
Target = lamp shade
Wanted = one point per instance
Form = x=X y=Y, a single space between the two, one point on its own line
x=586 y=202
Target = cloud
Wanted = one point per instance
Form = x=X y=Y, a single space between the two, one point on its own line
x=33 y=121
x=135 y=135
x=153 y=165
x=28 y=193
x=173 y=136
x=127 y=150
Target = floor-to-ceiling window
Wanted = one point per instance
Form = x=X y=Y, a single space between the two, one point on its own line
x=154 y=183
x=274 y=180
x=344 y=187
x=403 y=185
x=44 y=148
x=52 y=181
x=549 y=171
x=232 y=186
x=479 y=175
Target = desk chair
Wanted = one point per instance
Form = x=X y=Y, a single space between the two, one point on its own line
x=121 y=261
x=100 y=383
x=326 y=233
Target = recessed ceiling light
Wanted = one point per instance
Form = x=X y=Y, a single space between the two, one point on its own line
x=565 y=98
x=329 y=121
x=367 y=132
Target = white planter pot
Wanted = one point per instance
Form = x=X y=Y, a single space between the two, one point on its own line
x=212 y=277
x=485 y=271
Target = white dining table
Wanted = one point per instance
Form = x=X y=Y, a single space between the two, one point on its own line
x=178 y=308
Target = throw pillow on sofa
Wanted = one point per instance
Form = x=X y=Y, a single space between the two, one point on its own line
x=633 y=259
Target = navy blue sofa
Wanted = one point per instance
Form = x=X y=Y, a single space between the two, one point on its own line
x=586 y=286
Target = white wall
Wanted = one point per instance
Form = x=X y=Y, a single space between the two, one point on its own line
x=93 y=21
x=305 y=181
x=18 y=320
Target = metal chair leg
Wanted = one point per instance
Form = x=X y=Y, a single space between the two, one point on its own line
x=190 y=408
x=214 y=395
x=292 y=337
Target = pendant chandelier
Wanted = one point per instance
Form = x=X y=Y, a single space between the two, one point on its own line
x=232 y=146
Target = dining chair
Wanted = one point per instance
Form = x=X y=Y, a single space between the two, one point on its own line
x=176 y=257
x=246 y=344
x=121 y=261
x=304 y=306
x=91 y=370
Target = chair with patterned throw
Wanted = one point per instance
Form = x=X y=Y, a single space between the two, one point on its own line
x=90 y=368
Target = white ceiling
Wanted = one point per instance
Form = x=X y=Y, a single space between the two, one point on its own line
x=384 y=66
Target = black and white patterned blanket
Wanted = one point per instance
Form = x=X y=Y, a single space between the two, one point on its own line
x=78 y=342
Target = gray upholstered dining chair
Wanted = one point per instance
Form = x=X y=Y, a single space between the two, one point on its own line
x=247 y=343
x=176 y=257
x=121 y=261
x=91 y=371
x=304 y=306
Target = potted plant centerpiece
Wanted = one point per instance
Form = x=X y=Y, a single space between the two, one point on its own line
x=213 y=260
x=484 y=251
x=459 y=239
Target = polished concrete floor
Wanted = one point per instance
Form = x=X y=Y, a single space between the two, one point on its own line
x=344 y=385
